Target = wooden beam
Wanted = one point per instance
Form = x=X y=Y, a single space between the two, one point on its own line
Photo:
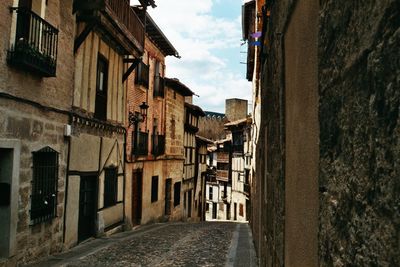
x=131 y=69
x=83 y=35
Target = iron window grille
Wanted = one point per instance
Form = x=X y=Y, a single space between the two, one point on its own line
x=140 y=142
x=110 y=187
x=154 y=188
x=35 y=45
x=44 y=185
x=142 y=75
x=177 y=194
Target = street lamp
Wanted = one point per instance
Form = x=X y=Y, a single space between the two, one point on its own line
x=136 y=117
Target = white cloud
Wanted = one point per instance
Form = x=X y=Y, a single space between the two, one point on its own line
x=200 y=39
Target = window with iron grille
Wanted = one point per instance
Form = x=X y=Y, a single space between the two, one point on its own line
x=154 y=188
x=210 y=193
x=44 y=185
x=110 y=187
x=177 y=194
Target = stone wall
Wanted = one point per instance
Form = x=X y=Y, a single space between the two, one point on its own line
x=359 y=81
x=357 y=209
x=35 y=129
x=235 y=109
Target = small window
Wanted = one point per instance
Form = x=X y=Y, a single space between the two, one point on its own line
x=142 y=75
x=207 y=207
x=210 y=193
x=44 y=185
x=154 y=188
x=241 y=209
x=177 y=194
x=110 y=187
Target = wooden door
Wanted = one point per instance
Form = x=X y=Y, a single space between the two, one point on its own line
x=137 y=177
x=168 y=193
x=87 y=207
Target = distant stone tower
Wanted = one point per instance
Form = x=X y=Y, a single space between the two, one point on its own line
x=235 y=109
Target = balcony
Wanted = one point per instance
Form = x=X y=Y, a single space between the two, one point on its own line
x=35 y=46
x=158 y=86
x=119 y=20
x=158 y=145
x=140 y=143
x=222 y=175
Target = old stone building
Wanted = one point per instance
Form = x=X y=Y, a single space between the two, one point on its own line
x=36 y=85
x=327 y=162
x=108 y=36
x=150 y=169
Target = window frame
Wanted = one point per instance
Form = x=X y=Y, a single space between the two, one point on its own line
x=110 y=193
x=154 y=188
x=177 y=193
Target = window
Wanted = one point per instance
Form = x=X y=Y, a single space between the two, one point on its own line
x=210 y=193
x=110 y=187
x=154 y=188
x=177 y=194
x=142 y=75
x=44 y=185
x=241 y=209
x=207 y=207
x=158 y=81
x=100 y=109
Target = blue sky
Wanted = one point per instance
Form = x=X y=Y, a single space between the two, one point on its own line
x=207 y=35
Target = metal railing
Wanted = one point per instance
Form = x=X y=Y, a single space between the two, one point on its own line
x=140 y=143
x=158 y=144
x=35 y=46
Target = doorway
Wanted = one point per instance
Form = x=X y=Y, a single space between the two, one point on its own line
x=189 y=203
x=235 y=211
x=214 y=211
x=6 y=167
x=137 y=177
x=168 y=193
x=87 y=207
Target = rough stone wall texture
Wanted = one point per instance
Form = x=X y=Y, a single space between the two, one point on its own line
x=36 y=129
x=235 y=109
x=358 y=81
x=359 y=72
x=212 y=128
x=174 y=123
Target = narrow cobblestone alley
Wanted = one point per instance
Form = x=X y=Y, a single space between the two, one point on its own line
x=169 y=244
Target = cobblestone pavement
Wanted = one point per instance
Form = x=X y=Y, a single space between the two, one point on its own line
x=168 y=244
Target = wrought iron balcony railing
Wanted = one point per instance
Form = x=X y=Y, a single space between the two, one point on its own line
x=140 y=143
x=158 y=145
x=158 y=86
x=35 y=45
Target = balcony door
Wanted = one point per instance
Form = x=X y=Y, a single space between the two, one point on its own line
x=100 y=110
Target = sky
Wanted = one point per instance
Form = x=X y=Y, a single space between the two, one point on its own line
x=207 y=35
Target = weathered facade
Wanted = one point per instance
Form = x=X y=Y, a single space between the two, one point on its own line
x=152 y=164
x=36 y=85
x=96 y=171
x=326 y=159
